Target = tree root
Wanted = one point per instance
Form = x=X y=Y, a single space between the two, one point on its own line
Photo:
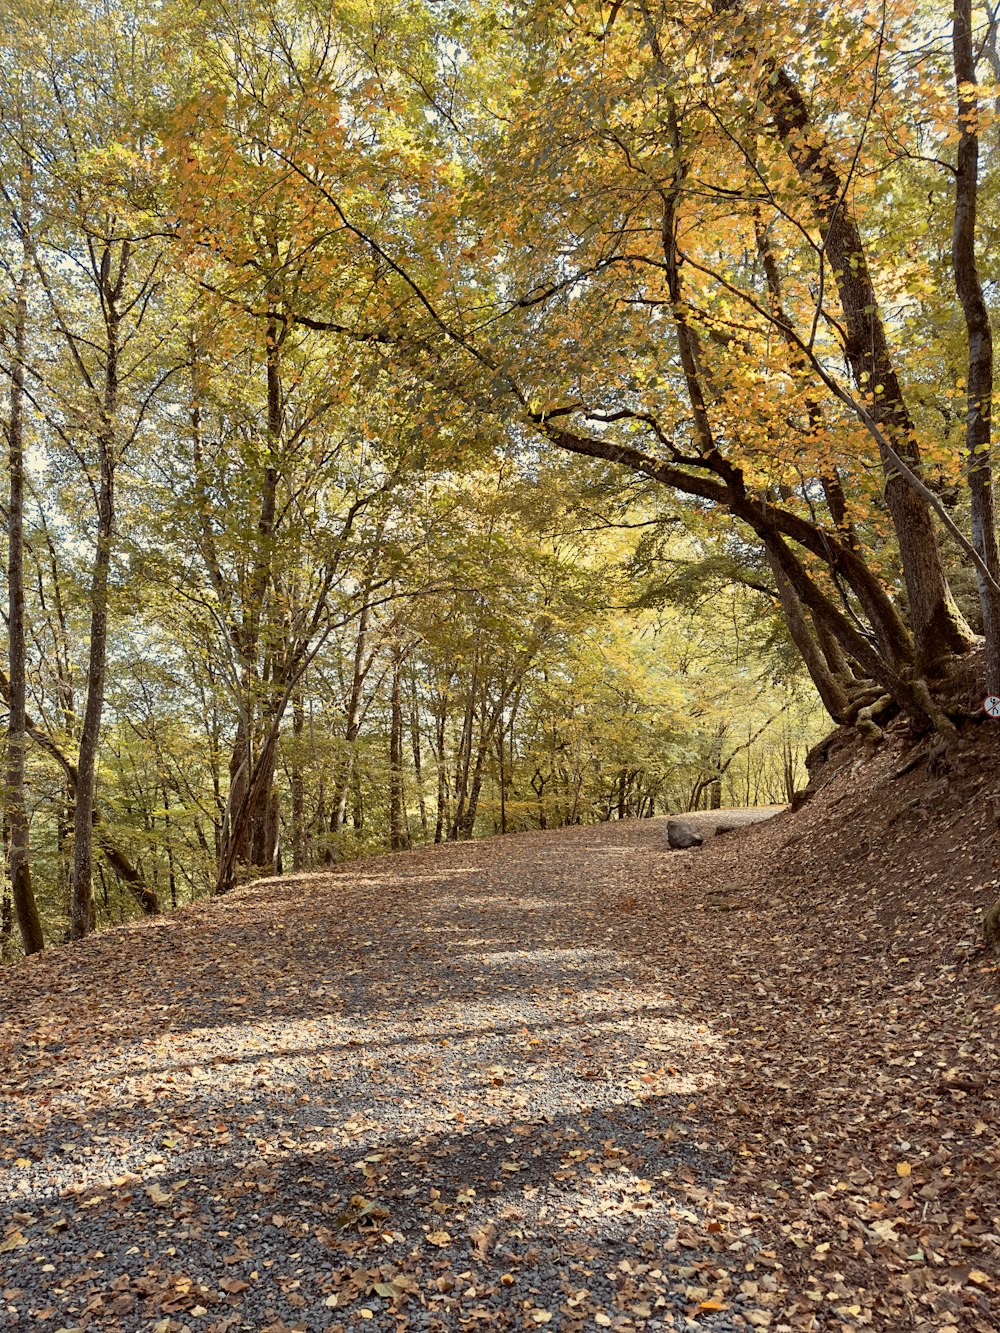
x=865 y=721
x=991 y=929
x=942 y=723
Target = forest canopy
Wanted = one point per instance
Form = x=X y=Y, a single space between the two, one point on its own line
x=432 y=420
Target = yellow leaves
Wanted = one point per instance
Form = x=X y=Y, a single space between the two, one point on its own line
x=903 y=1168
x=360 y=1212
x=14 y=1240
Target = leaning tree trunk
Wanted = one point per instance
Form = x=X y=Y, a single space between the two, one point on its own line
x=25 y=908
x=828 y=687
x=113 y=854
x=938 y=627
x=746 y=507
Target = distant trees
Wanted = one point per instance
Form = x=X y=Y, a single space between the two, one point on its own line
x=422 y=424
x=673 y=240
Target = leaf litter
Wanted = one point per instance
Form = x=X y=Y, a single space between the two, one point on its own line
x=564 y=1080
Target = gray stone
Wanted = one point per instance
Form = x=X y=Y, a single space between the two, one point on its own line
x=681 y=835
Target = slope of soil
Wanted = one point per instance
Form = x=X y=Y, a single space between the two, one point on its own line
x=568 y=1080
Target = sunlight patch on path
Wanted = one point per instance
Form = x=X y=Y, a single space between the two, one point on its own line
x=302 y=1081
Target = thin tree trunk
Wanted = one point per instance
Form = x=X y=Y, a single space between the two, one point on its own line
x=399 y=836
x=6 y=907
x=25 y=908
x=501 y=758
x=353 y=728
x=298 y=784
x=464 y=763
x=82 y=911
x=468 y=824
x=418 y=771
x=440 y=736
x=171 y=875
x=116 y=858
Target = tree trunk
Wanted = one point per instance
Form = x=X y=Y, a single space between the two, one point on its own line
x=6 y=909
x=828 y=688
x=418 y=770
x=440 y=736
x=25 y=908
x=298 y=785
x=939 y=629
x=171 y=873
x=399 y=835
x=464 y=760
x=468 y=824
x=82 y=910
x=353 y=728
x=979 y=393
x=761 y=518
x=245 y=830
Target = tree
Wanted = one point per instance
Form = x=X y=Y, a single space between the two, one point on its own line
x=16 y=815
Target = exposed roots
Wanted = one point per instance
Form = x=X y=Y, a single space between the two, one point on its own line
x=865 y=721
x=942 y=723
x=991 y=929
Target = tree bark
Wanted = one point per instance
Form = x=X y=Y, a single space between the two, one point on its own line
x=298 y=785
x=399 y=835
x=82 y=910
x=938 y=627
x=415 y=747
x=979 y=392
x=22 y=894
x=352 y=729
x=463 y=766
x=828 y=687
x=116 y=858
x=443 y=814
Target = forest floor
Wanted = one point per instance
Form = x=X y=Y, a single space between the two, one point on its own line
x=566 y=1079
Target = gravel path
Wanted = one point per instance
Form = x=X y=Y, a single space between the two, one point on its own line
x=470 y=1086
